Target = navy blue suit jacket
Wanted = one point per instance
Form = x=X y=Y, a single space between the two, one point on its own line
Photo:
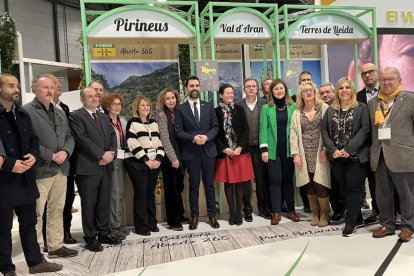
x=186 y=128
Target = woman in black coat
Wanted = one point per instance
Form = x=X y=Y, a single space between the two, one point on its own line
x=233 y=165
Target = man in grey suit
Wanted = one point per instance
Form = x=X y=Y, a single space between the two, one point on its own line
x=56 y=144
x=96 y=145
x=252 y=106
x=392 y=151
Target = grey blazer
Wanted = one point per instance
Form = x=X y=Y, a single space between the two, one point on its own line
x=52 y=138
x=399 y=150
x=90 y=143
x=360 y=133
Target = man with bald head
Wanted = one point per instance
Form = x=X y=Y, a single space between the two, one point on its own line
x=370 y=77
x=50 y=124
x=392 y=151
x=96 y=145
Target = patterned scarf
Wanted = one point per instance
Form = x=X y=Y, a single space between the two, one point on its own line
x=227 y=125
x=384 y=107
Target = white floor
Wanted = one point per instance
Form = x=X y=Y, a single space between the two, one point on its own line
x=325 y=255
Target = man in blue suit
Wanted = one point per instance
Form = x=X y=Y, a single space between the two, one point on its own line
x=196 y=128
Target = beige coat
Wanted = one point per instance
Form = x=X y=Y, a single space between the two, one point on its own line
x=322 y=171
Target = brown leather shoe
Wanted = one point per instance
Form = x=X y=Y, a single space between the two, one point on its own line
x=213 y=222
x=405 y=234
x=45 y=266
x=276 y=217
x=292 y=216
x=382 y=232
x=193 y=224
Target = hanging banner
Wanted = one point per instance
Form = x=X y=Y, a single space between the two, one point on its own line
x=141 y=23
x=242 y=25
x=326 y=28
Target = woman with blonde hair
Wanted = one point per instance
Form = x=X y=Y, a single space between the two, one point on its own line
x=310 y=158
x=143 y=158
x=345 y=130
x=171 y=165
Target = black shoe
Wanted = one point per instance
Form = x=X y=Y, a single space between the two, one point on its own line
x=265 y=214
x=119 y=234
x=109 y=239
x=177 y=227
x=45 y=249
x=154 y=229
x=372 y=219
x=68 y=239
x=93 y=245
x=185 y=220
x=248 y=216
x=231 y=219
x=143 y=233
x=349 y=230
x=124 y=230
x=338 y=216
x=10 y=273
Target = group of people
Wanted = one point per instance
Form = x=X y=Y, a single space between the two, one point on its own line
x=327 y=141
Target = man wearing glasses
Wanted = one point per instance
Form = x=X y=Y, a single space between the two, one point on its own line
x=252 y=106
x=98 y=86
x=392 y=128
x=369 y=75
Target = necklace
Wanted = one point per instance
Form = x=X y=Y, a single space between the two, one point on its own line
x=281 y=108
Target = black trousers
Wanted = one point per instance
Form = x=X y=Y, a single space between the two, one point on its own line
x=201 y=167
x=26 y=215
x=94 y=193
x=262 y=183
x=173 y=188
x=144 y=182
x=337 y=196
x=351 y=178
x=281 y=173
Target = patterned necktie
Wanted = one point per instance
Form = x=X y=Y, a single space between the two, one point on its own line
x=196 y=113
x=97 y=123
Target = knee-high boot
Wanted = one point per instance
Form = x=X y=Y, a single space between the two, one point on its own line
x=325 y=210
x=314 y=205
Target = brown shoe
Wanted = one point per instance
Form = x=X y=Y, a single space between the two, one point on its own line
x=213 y=222
x=405 y=234
x=292 y=216
x=63 y=252
x=382 y=232
x=45 y=266
x=276 y=217
x=193 y=224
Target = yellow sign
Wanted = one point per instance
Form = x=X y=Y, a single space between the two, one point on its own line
x=104 y=50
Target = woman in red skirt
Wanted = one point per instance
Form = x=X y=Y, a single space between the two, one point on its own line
x=233 y=165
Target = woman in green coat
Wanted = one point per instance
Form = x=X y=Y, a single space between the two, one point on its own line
x=275 y=119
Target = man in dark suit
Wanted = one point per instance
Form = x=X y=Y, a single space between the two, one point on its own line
x=369 y=75
x=196 y=127
x=19 y=150
x=252 y=106
x=96 y=145
x=392 y=151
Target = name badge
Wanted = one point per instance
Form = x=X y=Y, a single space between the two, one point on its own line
x=384 y=132
x=152 y=153
x=120 y=154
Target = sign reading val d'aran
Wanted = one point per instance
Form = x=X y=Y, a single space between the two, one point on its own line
x=242 y=25
x=142 y=23
x=327 y=26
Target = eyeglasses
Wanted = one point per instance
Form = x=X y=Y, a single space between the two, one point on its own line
x=388 y=80
x=369 y=72
x=308 y=90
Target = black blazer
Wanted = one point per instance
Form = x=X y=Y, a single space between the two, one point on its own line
x=16 y=140
x=359 y=141
x=362 y=97
x=91 y=144
x=240 y=127
x=186 y=128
